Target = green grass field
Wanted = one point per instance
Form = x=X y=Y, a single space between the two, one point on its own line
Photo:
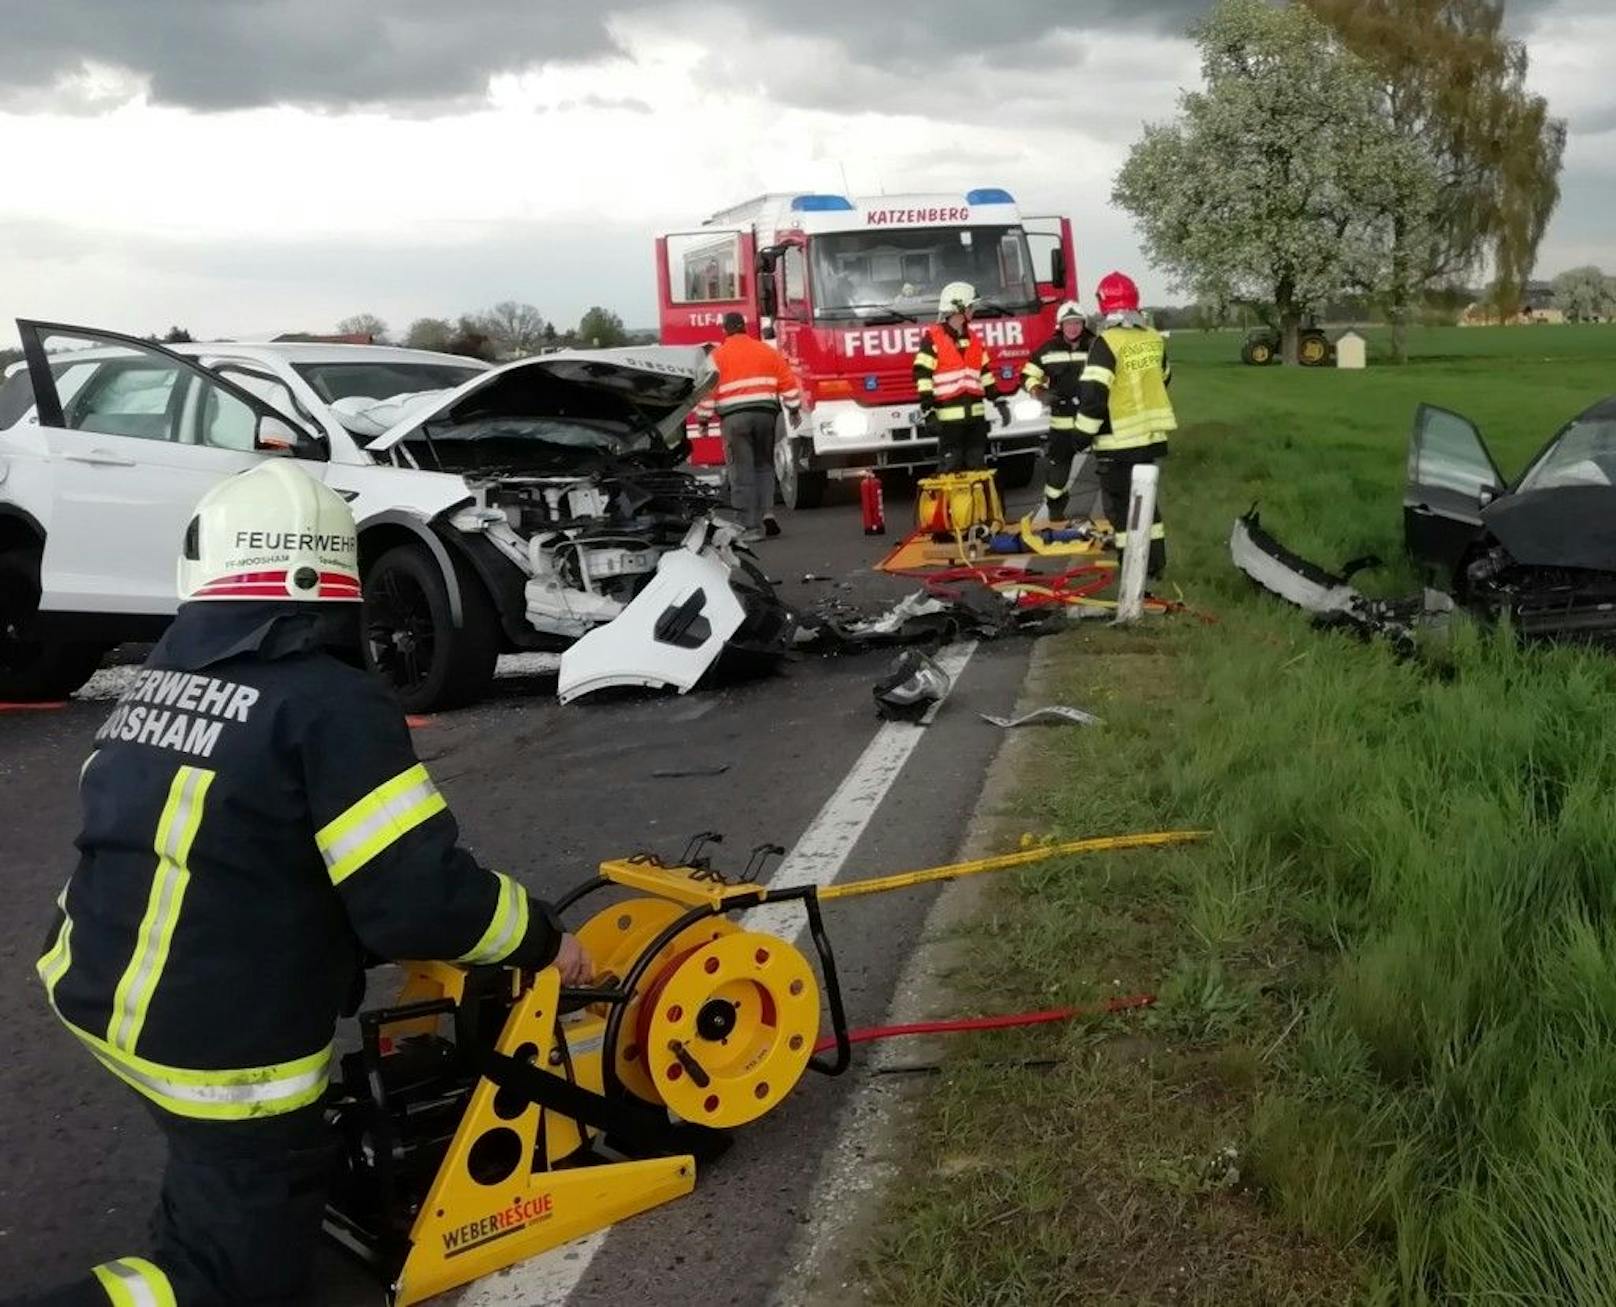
x=1383 y=1068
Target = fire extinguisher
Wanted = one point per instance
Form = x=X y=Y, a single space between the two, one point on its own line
x=875 y=518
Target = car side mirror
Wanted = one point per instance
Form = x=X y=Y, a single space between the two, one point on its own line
x=275 y=435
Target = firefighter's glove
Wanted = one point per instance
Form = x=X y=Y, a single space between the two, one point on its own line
x=794 y=416
x=1003 y=410
x=931 y=424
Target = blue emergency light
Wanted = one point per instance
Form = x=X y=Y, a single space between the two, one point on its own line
x=821 y=204
x=869 y=383
x=989 y=195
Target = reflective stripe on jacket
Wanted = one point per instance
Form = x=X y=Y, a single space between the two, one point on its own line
x=953 y=374
x=1122 y=397
x=254 y=821
x=1056 y=367
x=752 y=377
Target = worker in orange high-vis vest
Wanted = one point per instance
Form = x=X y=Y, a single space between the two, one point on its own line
x=754 y=384
x=954 y=379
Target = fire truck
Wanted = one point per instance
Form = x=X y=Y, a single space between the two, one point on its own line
x=845 y=287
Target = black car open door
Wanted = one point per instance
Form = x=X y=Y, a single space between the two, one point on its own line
x=1451 y=477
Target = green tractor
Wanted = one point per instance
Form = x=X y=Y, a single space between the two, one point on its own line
x=1262 y=347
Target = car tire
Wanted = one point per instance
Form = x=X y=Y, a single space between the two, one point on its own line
x=1015 y=471
x=795 y=486
x=411 y=641
x=32 y=669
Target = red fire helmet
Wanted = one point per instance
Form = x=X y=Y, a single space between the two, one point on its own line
x=1117 y=293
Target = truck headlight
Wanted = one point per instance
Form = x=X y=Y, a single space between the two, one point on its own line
x=851 y=424
x=1025 y=408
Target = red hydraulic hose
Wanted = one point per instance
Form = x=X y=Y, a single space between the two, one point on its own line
x=869 y=1034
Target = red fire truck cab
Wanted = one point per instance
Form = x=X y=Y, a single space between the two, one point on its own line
x=845 y=287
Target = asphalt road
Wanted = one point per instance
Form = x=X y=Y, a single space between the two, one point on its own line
x=545 y=793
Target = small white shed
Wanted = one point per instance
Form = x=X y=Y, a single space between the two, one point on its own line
x=1350 y=351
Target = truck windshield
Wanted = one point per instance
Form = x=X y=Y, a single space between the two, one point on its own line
x=868 y=274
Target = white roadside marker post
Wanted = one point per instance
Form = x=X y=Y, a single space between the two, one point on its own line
x=1136 y=557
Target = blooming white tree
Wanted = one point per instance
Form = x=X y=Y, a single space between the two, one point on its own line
x=1585 y=294
x=1279 y=180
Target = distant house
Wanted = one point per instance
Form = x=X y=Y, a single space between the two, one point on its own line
x=312 y=338
x=1537 y=306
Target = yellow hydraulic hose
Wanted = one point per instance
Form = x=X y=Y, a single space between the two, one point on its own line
x=1006 y=861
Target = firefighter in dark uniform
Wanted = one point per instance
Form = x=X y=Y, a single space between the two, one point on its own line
x=1123 y=406
x=1052 y=372
x=255 y=822
x=954 y=378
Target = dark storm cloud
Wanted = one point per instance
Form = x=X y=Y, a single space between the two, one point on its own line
x=224 y=54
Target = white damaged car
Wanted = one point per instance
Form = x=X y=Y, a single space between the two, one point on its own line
x=499 y=509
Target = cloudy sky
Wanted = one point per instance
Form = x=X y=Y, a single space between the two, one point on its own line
x=246 y=166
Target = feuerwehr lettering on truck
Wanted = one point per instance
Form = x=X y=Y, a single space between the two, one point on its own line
x=877 y=342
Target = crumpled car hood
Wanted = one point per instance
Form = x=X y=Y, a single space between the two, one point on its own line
x=647 y=388
x=1567 y=526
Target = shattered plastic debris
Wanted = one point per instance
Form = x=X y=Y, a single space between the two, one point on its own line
x=1333 y=603
x=1053 y=714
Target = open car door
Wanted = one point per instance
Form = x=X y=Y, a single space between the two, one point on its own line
x=1451 y=478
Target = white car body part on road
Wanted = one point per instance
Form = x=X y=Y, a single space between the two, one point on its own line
x=672 y=633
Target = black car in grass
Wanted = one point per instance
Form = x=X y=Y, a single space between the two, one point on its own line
x=1540 y=550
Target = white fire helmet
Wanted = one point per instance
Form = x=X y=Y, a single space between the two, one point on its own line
x=274 y=533
x=1069 y=310
x=957 y=297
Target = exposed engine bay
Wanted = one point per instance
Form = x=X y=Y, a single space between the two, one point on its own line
x=591 y=543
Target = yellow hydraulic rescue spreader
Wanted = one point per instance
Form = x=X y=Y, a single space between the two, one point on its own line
x=490 y=1114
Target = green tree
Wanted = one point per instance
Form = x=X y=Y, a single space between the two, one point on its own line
x=601 y=329
x=177 y=336
x=430 y=333
x=1585 y=294
x=1452 y=85
x=363 y=324
x=1277 y=182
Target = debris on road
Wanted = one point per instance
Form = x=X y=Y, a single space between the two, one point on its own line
x=706 y=600
x=1053 y=714
x=682 y=773
x=912 y=685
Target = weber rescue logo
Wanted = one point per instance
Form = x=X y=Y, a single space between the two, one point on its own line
x=497 y=1225
x=883 y=342
x=904 y=217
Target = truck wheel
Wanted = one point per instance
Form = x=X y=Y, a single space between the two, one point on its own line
x=798 y=487
x=1258 y=353
x=410 y=639
x=1015 y=470
x=32 y=669
x=1313 y=351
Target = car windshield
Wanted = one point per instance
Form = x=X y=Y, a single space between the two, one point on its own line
x=868 y=274
x=380 y=379
x=1584 y=454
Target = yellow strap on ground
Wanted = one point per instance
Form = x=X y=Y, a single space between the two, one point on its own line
x=1007 y=861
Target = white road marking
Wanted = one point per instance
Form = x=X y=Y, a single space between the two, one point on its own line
x=817 y=858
